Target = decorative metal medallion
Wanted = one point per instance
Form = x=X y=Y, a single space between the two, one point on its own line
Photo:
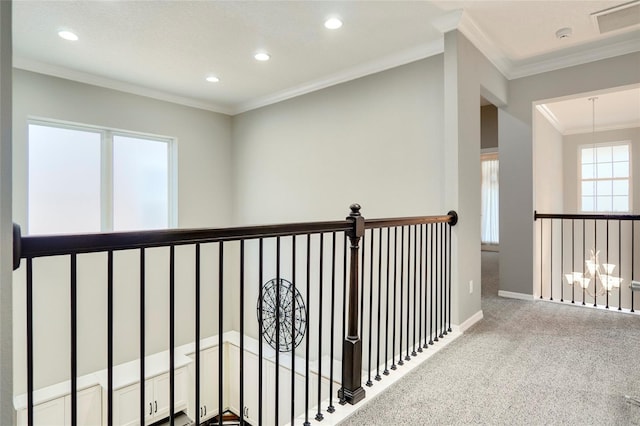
x=289 y=322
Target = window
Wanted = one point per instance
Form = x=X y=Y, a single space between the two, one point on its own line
x=490 y=199
x=605 y=172
x=85 y=179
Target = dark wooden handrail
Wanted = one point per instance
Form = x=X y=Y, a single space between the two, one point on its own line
x=56 y=245
x=537 y=216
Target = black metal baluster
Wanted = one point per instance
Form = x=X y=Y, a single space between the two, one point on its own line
x=172 y=332
x=308 y=337
x=242 y=422
x=633 y=258
x=595 y=251
x=294 y=312
x=277 y=342
x=400 y=361
x=620 y=264
x=197 y=336
x=561 y=259
x=378 y=378
x=442 y=277
x=30 y=420
x=143 y=404
x=449 y=275
x=431 y=285
x=607 y=261
x=110 y=338
x=551 y=263
x=438 y=280
x=395 y=304
x=420 y=287
x=319 y=415
x=407 y=357
x=541 y=255
x=573 y=261
x=415 y=283
x=584 y=237
x=221 y=330
x=386 y=326
x=426 y=286
x=330 y=408
x=74 y=340
x=369 y=382
x=260 y=322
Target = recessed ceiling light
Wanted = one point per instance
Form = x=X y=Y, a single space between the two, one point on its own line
x=68 y=35
x=212 y=79
x=262 y=56
x=333 y=23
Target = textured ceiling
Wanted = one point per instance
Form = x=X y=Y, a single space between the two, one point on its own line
x=166 y=48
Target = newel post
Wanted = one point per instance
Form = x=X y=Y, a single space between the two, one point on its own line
x=352 y=391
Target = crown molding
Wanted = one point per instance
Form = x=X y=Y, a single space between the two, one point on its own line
x=94 y=80
x=551 y=117
x=382 y=64
x=568 y=60
x=586 y=130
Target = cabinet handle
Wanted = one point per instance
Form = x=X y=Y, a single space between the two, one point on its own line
x=156 y=406
x=205 y=409
x=150 y=409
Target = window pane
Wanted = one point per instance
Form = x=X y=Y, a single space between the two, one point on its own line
x=603 y=154
x=603 y=204
x=621 y=169
x=587 y=155
x=621 y=153
x=140 y=184
x=588 y=171
x=588 y=188
x=620 y=187
x=587 y=204
x=64 y=180
x=620 y=204
x=603 y=187
x=604 y=170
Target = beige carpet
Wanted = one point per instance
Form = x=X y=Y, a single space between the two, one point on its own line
x=533 y=363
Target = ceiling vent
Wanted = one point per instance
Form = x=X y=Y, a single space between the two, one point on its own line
x=618 y=17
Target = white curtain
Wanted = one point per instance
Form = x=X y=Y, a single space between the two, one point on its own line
x=490 y=197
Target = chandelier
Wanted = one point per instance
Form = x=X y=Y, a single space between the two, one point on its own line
x=595 y=273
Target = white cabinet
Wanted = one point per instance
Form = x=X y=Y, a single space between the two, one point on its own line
x=126 y=401
x=208 y=384
x=57 y=412
x=251 y=391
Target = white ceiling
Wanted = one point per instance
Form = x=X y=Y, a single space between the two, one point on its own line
x=165 y=49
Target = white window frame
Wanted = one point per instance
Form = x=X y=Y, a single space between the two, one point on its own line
x=629 y=178
x=106 y=172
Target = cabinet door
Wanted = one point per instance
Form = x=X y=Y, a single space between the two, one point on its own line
x=284 y=395
x=208 y=383
x=126 y=405
x=50 y=413
x=161 y=400
x=89 y=407
x=251 y=380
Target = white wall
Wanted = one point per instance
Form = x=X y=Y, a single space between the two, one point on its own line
x=468 y=75
x=6 y=254
x=204 y=200
x=516 y=170
x=570 y=164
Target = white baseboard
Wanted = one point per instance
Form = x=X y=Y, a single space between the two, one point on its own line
x=470 y=321
x=512 y=295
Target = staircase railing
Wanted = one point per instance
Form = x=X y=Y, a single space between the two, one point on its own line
x=296 y=276
x=589 y=259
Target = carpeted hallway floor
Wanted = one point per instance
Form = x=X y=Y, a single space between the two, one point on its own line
x=533 y=363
